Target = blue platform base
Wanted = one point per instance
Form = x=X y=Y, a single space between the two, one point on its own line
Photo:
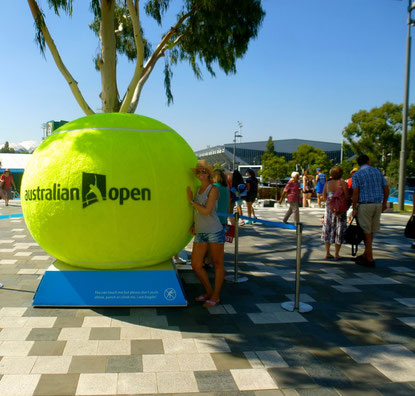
x=66 y=286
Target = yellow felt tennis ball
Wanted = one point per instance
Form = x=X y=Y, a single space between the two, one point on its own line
x=108 y=191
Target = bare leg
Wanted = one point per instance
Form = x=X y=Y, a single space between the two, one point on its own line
x=217 y=250
x=337 y=251
x=368 y=253
x=327 y=246
x=198 y=253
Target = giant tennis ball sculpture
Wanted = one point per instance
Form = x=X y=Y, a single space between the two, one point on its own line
x=108 y=191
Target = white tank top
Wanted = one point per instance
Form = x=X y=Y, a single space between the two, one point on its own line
x=209 y=223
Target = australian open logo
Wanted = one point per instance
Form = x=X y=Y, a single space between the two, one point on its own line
x=93 y=190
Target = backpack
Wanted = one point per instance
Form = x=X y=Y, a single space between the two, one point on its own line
x=242 y=190
x=354 y=235
x=309 y=185
x=338 y=203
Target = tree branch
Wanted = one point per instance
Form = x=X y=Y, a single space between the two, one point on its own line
x=157 y=54
x=139 y=45
x=107 y=63
x=73 y=84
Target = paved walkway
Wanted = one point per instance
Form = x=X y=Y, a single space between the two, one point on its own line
x=359 y=338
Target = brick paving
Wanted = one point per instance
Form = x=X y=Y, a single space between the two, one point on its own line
x=359 y=338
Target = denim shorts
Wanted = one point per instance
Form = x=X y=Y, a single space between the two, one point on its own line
x=210 y=237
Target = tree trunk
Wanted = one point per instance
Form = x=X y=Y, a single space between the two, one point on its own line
x=108 y=61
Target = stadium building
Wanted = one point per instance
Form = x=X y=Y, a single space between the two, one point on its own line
x=250 y=153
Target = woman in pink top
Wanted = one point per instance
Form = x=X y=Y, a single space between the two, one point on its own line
x=292 y=190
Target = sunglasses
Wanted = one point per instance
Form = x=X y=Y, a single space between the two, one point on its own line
x=202 y=171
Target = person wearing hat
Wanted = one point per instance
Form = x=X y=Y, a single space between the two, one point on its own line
x=209 y=233
x=349 y=185
x=349 y=181
x=6 y=183
x=320 y=182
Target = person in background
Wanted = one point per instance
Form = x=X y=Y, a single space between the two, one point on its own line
x=252 y=193
x=224 y=204
x=349 y=186
x=209 y=233
x=308 y=188
x=6 y=179
x=370 y=195
x=238 y=190
x=292 y=190
x=413 y=214
x=320 y=182
x=334 y=225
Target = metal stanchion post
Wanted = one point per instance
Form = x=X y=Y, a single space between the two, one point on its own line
x=236 y=239
x=297 y=305
x=236 y=278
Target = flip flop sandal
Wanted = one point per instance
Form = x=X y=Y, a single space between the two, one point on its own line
x=209 y=303
x=201 y=298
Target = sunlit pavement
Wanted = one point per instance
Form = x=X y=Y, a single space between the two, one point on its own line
x=358 y=339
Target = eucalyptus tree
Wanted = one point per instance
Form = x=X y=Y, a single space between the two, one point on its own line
x=205 y=33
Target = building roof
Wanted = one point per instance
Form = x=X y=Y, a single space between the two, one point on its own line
x=286 y=145
x=15 y=162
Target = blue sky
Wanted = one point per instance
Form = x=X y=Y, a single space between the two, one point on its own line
x=314 y=64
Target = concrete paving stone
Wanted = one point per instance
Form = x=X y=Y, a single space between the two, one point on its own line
x=88 y=364
x=22 y=254
x=271 y=359
x=253 y=379
x=47 y=348
x=317 y=392
x=68 y=321
x=146 y=347
x=215 y=381
x=327 y=375
x=96 y=321
x=12 y=311
x=358 y=391
x=18 y=385
x=135 y=332
x=74 y=333
x=124 y=364
x=114 y=347
x=57 y=384
x=15 y=348
x=176 y=382
x=12 y=322
x=276 y=317
x=210 y=345
x=379 y=353
x=48 y=334
x=137 y=383
x=173 y=345
x=105 y=333
x=362 y=374
x=93 y=384
x=153 y=321
x=291 y=377
x=195 y=361
x=17 y=364
x=80 y=347
x=162 y=333
x=40 y=322
x=51 y=365
x=7 y=261
x=395 y=389
x=410 y=321
x=160 y=363
x=227 y=361
x=346 y=289
x=14 y=334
